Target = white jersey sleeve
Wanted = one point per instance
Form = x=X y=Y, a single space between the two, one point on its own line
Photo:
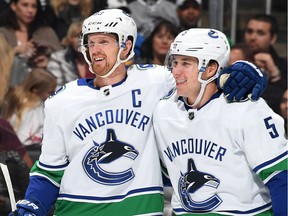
x=262 y=138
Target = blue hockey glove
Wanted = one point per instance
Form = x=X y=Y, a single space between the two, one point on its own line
x=242 y=80
x=32 y=207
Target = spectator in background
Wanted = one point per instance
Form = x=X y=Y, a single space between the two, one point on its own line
x=24 y=28
x=188 y=13
x=23 y=106
x=238 y=52
x=156 y=46
x=284 y=109
x=260 y=34
x=69 y=64
x=68 y=11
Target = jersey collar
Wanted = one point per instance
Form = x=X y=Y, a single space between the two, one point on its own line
x=89 y=82
x=187 y=107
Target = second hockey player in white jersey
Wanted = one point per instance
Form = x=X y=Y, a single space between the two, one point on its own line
x=222 y=158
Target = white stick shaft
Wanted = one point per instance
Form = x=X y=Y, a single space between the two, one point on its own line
x=9 y=186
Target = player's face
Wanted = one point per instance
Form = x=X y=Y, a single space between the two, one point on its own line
x=185 y=72
x=258 y=37
x=25 y=10
x=103 y=51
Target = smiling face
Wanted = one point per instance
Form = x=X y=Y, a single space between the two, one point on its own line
x=185 y=72
x=103 y=51
x=25 y=10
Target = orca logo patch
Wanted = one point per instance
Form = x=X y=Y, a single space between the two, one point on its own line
x=192 y=181
x=108 y=151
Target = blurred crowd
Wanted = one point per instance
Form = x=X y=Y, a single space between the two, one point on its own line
x=39 y=54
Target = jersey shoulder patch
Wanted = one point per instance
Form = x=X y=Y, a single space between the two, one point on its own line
x=145 y=66
x=58 y=91
x=169 y=94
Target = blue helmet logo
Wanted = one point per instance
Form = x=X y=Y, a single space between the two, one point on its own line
x=213 y=34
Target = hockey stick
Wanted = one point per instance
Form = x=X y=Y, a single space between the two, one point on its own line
x=9 y=187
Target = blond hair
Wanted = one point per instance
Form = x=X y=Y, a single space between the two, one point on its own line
x=26 y=95
x=6 y=62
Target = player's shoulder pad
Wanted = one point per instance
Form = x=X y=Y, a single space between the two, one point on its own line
x=58 y=91
x=169 y=94
x=145 y=67
x=68 y=87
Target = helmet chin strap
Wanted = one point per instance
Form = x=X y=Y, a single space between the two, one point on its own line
x=203 y=85
x=200 y=95
x=117 y=63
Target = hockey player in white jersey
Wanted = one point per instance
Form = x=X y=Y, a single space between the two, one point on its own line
x=222 y=158
x=99 y=155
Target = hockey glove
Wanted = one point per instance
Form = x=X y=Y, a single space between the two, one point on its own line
x=242 y=80
x=32 y=207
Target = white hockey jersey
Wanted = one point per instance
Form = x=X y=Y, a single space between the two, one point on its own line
x=215 y=156
x=102 y=142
